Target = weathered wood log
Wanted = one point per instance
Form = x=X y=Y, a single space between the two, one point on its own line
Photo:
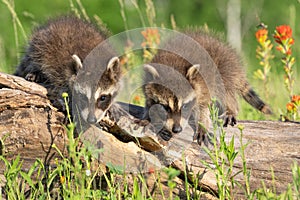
x=30 y=125
x=271 y=145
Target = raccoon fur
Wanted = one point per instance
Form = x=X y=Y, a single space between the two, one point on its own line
x=189 y=61
x=54 y=57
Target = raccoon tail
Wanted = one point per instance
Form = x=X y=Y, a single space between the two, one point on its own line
x=254 y=100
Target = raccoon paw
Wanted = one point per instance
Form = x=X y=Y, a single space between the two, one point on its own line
x=35 y=77
x=165 y=135
x=204 y=139
x=229 y=119
x=201 y=136
x=59 y=104
x=31 y=77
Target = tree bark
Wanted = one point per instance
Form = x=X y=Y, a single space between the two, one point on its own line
x=29 y=126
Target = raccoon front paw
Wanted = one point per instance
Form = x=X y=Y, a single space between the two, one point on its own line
x=36 y=77
x=202 y=137
x=165 y=135
x=229 y=119
x=31 y=77
x=59 y=104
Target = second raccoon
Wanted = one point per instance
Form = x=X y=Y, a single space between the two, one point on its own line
x=189 y=64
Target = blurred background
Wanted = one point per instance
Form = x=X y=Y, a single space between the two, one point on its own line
x=236 y=19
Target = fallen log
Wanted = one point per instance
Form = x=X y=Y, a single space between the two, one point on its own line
x=29 y=126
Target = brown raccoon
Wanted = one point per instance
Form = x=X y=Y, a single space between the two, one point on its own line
x=53 y=59
x=191 y=62
x=173 y=95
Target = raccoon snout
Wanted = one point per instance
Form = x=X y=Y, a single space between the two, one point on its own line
x=176 y=128
x=92 y=119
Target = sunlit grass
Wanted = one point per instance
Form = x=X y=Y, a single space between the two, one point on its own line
x=73 y=178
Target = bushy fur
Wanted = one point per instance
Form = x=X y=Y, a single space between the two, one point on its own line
x=222 y=75
x=49 y=61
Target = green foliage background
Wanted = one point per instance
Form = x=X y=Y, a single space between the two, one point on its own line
x=186 y=13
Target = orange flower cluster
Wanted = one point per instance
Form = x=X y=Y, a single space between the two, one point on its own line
x=296 y=99
x=152 y=37
x=261 y=35
x=292 y=106
x=137 y=100
x=283 y=33
x=283 y=36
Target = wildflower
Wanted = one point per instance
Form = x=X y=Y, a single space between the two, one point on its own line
x=240 y=127
x=296 y=99
x=137 y=99
x=264 y=54
x=283 y=33
x=261 y=35
x=64 y=95
x=290 y=107
x=284 y=38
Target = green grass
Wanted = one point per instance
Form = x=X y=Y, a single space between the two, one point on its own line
x=73 y=177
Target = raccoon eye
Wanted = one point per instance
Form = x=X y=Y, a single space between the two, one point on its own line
x=186 y=106
x=102 y=97
x=103 y=101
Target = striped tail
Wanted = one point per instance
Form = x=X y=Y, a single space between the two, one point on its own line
x=254 y=100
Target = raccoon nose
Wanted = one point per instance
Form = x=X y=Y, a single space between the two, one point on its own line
x=176 y=129
x=91 y=119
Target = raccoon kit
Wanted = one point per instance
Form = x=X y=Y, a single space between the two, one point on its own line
x=54 y=57
x=223 y=76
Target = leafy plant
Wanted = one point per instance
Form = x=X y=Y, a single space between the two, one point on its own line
x=222 y=156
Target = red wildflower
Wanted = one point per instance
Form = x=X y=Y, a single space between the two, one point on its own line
x=283 y=36
x=296 y=99
x=137 y=98
x=283 y=33
x=261 y=35
x=290 y=107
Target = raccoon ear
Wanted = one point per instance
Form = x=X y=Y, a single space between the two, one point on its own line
x=192 y=71
x=78 y=63
x=151 y=70
x=113 y=68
